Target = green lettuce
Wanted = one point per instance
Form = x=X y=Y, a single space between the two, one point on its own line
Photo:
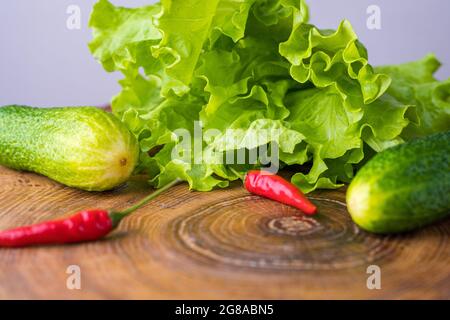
x=253 y=67
x=415 y=84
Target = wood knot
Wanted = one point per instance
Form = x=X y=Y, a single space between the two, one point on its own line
x=294 y=225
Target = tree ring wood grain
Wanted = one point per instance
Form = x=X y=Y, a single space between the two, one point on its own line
x=152 y=256
x=251 y=232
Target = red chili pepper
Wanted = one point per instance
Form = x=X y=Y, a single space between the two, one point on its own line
x=87 y=225
x=83 y=226
x=276 y=188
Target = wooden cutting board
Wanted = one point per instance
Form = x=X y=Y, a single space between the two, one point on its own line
x=225 y=244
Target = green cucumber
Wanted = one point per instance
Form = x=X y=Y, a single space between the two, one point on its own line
x=85 y=147
x=403 y=188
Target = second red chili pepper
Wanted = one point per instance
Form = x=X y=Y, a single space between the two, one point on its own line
x=276 y=188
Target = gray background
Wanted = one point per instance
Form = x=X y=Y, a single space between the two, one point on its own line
x=42 y=63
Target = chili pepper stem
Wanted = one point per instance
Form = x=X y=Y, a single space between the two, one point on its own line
x=116 y=217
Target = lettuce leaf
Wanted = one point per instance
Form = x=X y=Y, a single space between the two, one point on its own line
x=120 y=34
x=336 y=146
x=414 y=83
x=253 y=74
x=333 y=58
